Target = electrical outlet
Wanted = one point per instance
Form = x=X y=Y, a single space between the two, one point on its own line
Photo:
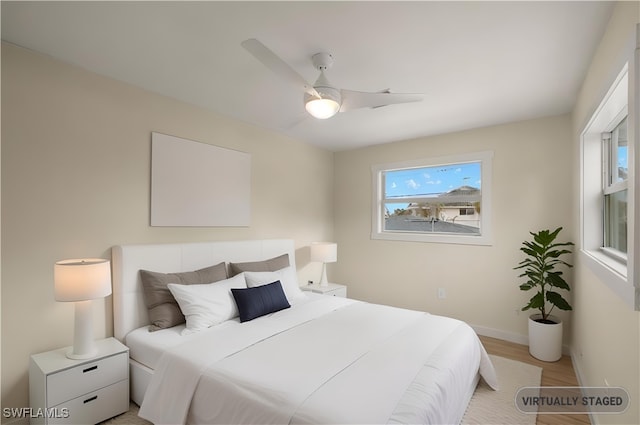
x=442 y=294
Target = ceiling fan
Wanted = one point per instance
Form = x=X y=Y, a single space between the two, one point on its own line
x=322 y=99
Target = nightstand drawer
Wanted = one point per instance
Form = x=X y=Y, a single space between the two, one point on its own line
x=95 y=406
x=82 y=379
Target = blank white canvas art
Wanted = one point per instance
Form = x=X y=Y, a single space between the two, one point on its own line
x=196 y=184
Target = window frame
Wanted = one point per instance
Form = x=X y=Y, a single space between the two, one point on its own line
x=612 y=267
x=378 y=207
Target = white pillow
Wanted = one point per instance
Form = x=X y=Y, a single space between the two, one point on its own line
x=287 y=277
x=207 y=305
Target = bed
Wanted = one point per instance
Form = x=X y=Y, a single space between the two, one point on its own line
x=320 y=359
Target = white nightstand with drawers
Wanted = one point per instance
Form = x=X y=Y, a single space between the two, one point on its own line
x=334 y=289
x=67 y=391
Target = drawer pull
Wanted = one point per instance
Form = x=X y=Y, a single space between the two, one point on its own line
x=89 y=369
x=90 y=399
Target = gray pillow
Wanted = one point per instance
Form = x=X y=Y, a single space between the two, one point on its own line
x=162 y=307
x=270 y=265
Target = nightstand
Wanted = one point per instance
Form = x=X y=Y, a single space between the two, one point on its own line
x=67 y=391
x=334 y=289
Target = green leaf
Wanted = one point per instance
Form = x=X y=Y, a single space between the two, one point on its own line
x=525 y=263
x=555 y=233
x=556 y=280
x=545 y=237
x=557 y=253
x=529 y=251
x=537 y=301
x=557 y=300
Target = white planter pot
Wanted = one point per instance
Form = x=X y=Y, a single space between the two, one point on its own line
x=545 y=340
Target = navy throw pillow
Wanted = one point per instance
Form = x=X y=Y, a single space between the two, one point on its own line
x=260 y=300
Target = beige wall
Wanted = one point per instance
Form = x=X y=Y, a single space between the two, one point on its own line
x=76 y=181
x=531 y=190
x=606 y=332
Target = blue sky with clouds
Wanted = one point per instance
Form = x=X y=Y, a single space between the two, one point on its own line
x=432 y=180
x=623 y=163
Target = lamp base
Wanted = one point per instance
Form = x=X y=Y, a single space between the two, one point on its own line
x=83 y=345
x=323 y=278
x=81 y=356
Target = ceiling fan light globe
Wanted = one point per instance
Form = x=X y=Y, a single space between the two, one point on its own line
x=325 y=104
x=322 y=108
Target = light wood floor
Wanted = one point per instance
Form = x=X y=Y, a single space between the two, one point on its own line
x=558 y=374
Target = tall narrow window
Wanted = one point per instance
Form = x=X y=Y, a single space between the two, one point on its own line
x=616 y=169
x=607 y=190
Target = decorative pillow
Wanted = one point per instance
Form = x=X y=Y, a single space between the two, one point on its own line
x=287 y=278
x=259 y=301
x=270 y=265
x=161 y=305
x=209 y=304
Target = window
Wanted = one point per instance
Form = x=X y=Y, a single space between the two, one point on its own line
x=607 y=191
x=615 y=188
x=444 y=199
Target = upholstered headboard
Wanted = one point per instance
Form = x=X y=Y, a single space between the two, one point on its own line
x=129 y=310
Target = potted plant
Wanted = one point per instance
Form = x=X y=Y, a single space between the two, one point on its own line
x=540 y=269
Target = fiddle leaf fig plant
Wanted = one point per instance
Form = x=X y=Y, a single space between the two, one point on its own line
x=540 y=270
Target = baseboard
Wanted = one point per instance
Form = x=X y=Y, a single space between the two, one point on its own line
x=500 y=334
x=511 y=337
x=577 y=369
x=581 y=381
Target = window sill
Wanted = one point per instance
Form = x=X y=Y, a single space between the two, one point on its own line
x=612 y=273
x=432 y=238
x=618 y=257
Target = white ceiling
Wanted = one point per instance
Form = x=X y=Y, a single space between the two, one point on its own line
x=477 y=63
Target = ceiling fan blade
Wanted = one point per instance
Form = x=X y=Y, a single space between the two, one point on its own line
x=357 y=99
x=277 y=65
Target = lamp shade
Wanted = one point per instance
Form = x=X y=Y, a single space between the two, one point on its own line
x=324 y=252
x=82 y=279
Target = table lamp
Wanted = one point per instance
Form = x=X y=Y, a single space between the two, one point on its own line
x=80 y=281
x=324 y=252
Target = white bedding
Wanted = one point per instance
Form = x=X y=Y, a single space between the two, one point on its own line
x=313 y=363
x=147 y=347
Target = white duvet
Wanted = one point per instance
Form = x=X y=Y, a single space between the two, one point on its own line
x=329 y=360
